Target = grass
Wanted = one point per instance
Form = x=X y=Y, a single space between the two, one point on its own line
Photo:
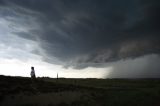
x=22 y=91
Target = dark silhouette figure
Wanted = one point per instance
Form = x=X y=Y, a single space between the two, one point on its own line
x=57 y=76
x=33 y=75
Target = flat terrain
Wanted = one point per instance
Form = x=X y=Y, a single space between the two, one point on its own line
x=21 y=91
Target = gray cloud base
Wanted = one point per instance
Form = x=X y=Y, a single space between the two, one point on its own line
x=82 y=33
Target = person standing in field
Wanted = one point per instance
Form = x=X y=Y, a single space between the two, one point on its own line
x=33 y=75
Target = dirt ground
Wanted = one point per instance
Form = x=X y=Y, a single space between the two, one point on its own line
x=20 y=91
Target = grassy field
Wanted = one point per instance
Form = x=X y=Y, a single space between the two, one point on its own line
x=20 y=91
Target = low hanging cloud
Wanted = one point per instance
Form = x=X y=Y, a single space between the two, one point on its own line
x=83 y=33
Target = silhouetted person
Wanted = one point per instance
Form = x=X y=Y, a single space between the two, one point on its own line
x=33 y=75
x=57 y=78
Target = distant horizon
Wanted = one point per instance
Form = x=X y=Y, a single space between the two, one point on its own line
x=82 y=78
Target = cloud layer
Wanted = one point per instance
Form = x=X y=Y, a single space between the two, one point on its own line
x=83 y=33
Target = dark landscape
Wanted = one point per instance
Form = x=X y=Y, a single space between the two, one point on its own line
x=22 y=91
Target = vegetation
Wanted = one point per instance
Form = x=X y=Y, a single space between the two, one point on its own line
x=23 y=91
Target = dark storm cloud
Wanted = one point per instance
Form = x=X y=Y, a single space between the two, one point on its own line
x=82 y=33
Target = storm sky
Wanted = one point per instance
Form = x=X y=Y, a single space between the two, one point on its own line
x=80 y=38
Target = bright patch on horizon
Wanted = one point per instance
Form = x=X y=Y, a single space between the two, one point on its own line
x=15 y=67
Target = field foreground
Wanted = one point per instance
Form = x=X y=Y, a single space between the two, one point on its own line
x=20 y=91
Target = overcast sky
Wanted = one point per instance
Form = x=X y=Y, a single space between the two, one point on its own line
x=80 y=38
